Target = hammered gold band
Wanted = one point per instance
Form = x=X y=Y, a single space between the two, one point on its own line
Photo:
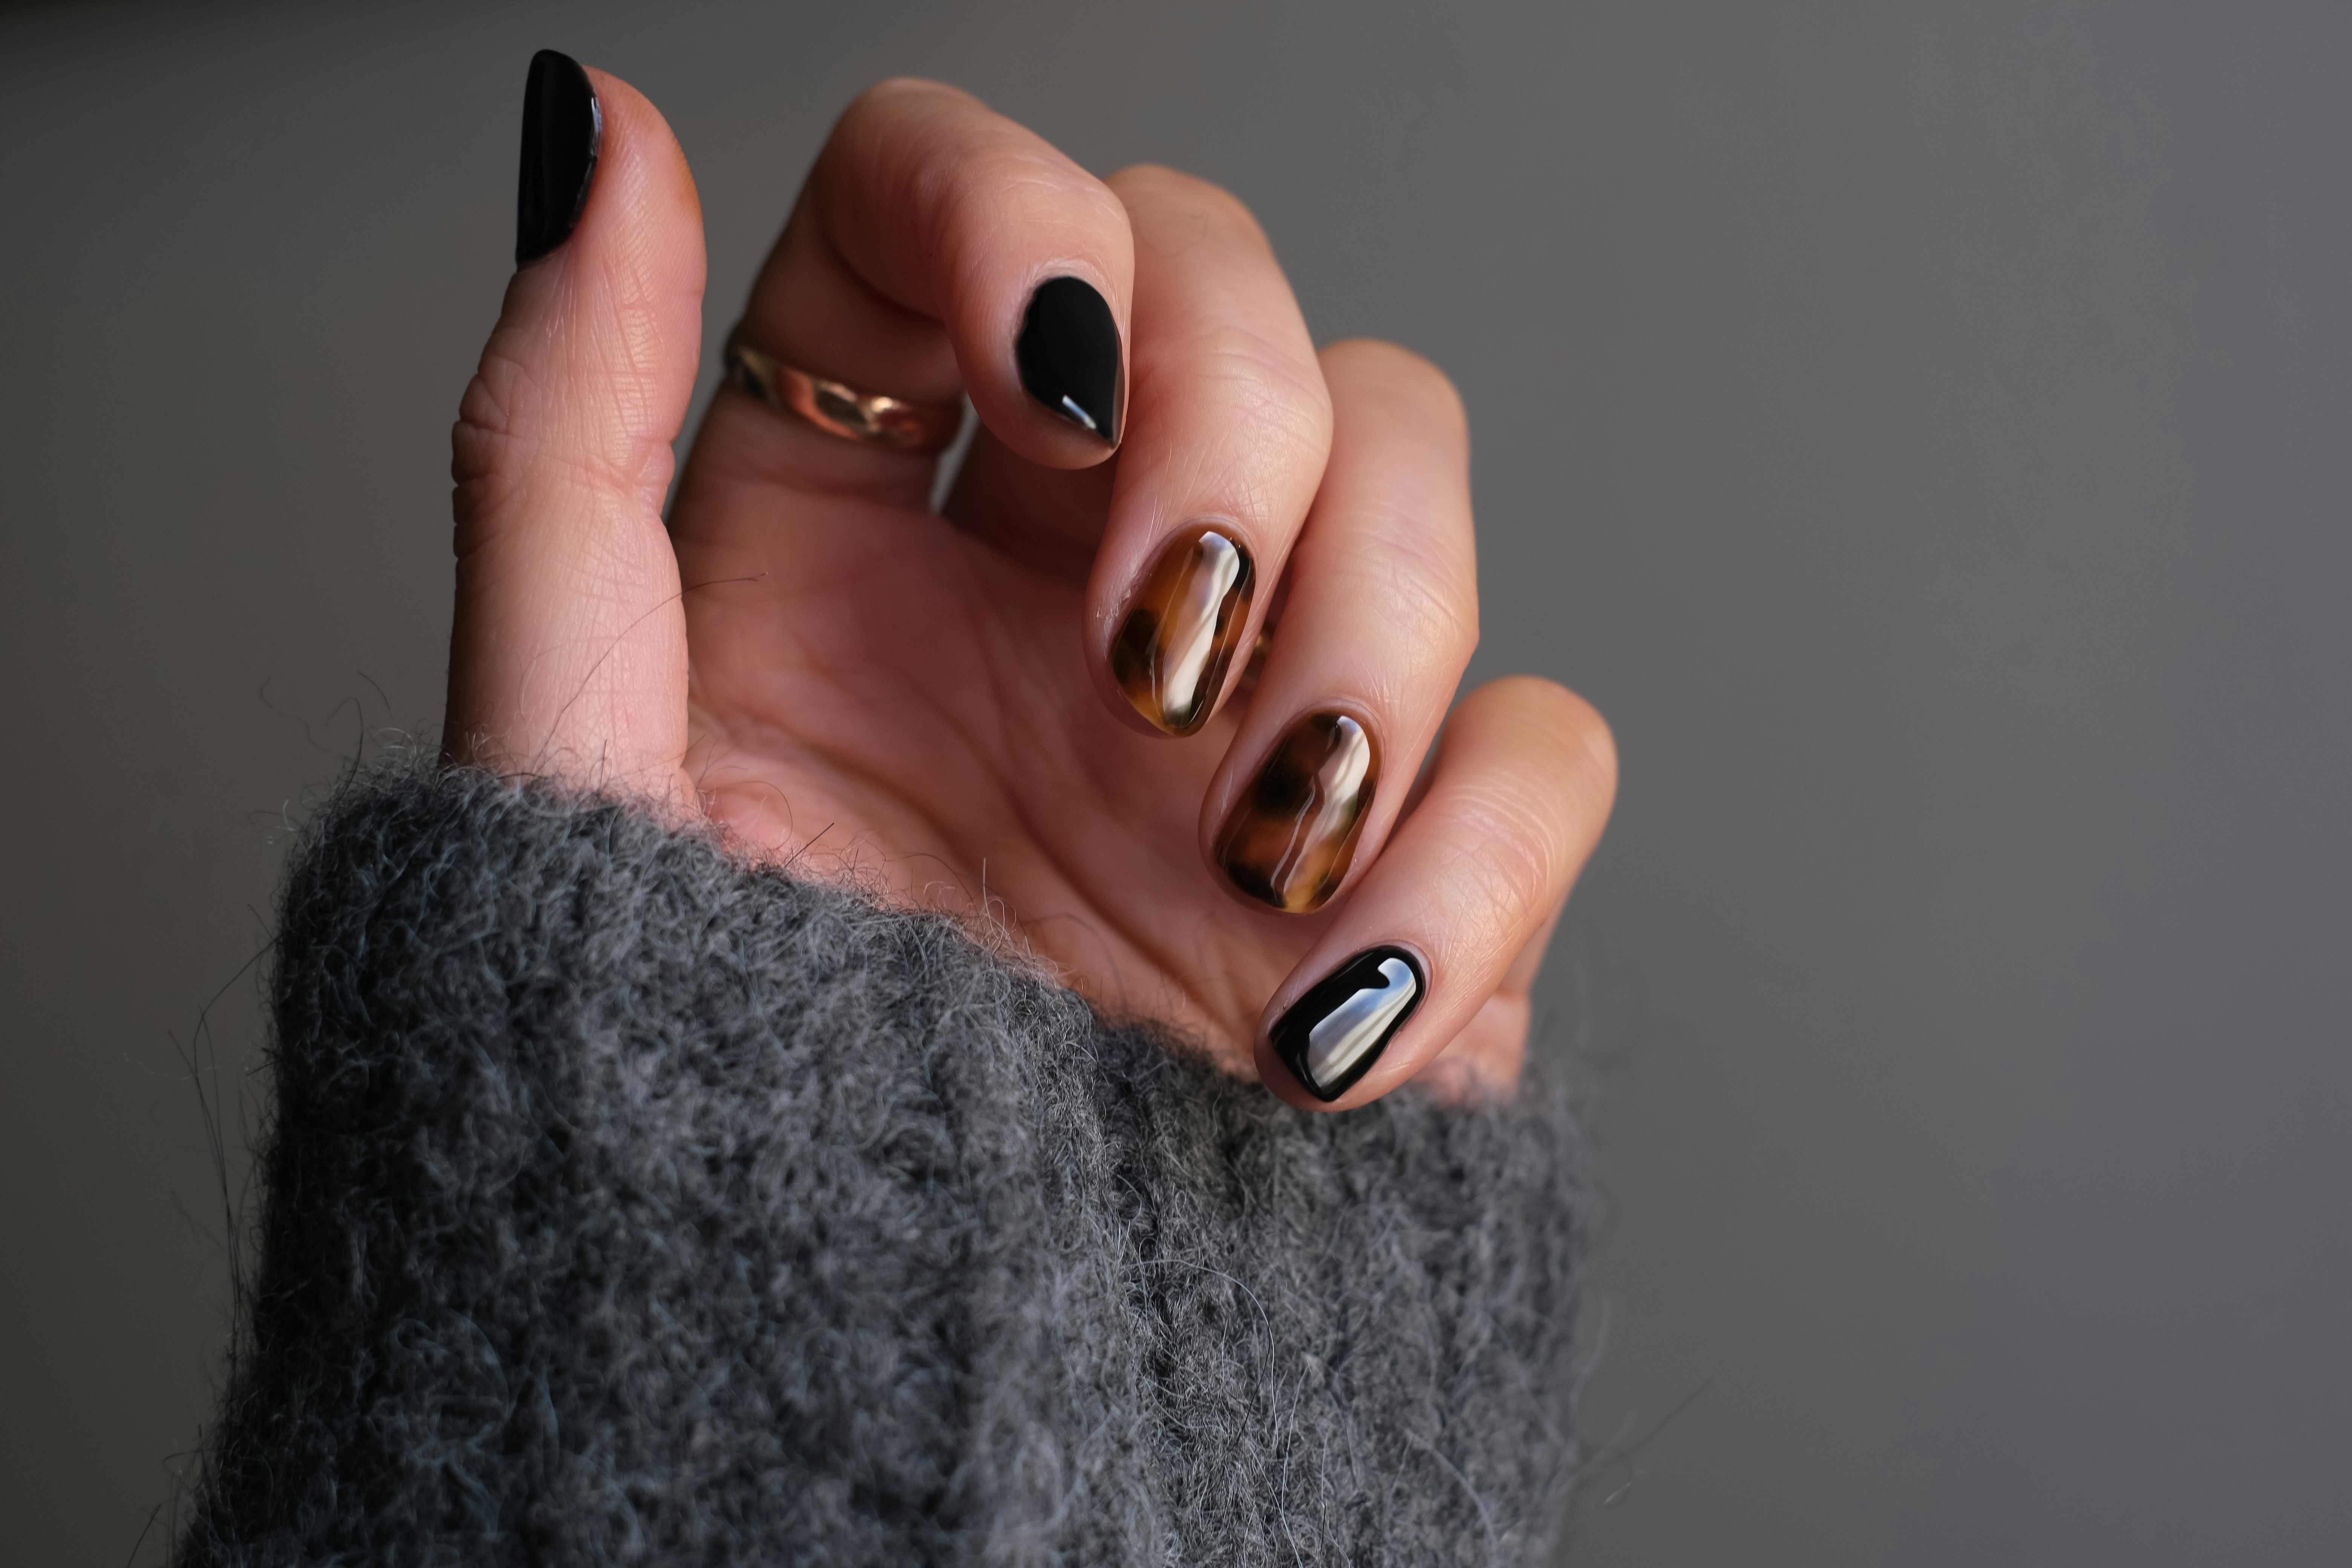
x=868 y=416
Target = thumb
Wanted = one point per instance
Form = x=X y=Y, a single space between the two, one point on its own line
x=568 y=651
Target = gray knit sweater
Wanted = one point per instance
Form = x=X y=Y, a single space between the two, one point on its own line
x=626 y=1203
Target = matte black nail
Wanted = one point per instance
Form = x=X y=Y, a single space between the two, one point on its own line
x=1069 y=355
x=1332 y=1035
x=562 y=132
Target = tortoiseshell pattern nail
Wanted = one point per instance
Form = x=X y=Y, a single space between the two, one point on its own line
x=1288 y=840
x=1173 y=648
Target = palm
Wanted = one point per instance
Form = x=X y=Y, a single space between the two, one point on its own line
x=878 y=692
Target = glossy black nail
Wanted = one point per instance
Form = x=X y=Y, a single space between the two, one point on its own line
x=1331 y=1036
x=1069 y=355
x=562 y=132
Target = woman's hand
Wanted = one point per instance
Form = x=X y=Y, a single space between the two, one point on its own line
x=968 y=707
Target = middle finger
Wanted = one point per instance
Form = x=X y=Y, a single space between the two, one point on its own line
x=1229 y=429
x=1379 y=621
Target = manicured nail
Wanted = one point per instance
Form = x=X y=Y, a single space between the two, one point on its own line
x=1333 y=1035
x=1288 y=839
x=1069 y=355
x=562 y=132
x=1173 y=648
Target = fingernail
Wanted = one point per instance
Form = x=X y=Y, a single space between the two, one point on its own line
x=1288 y=839
x=562 y=132
x=1333 y=1035
x=1172 y=650
x=1069 y=355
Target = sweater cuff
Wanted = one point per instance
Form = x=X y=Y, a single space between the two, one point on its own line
x=627 y=1201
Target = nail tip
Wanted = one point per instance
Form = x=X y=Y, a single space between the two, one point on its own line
x=1306 y=1080
x=1294 y=1060
x=1155 y=714
x=1254 y=887
x=1160 y=722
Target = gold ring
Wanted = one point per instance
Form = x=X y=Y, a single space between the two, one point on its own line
x=843 y=411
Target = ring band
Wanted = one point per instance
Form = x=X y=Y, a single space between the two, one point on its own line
x=838 y=410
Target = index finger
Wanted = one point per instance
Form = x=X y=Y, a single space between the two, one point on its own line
x=939 y=247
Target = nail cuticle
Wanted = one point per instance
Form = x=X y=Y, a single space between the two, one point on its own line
x=1070 y=357
x=1288 y=839
x=562 y=137
x=1331 y=1036
x=1176 y=642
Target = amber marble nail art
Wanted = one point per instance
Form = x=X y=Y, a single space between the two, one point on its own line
x=1172 y=651
x=1288 y=840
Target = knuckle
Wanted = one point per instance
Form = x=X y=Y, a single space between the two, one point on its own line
x=1576 y=729
x=892 y=95
x=1389 y=370
x=516 y=434
x=1442 y=611
x=1508 y=854
x=1159 y=184
x=1422 y=580
x=1266 y=375
x=482 y=443
x=956 y=166
x=1007 y=185
x=1553 y=743
x=484 y=415
x=1599 y=746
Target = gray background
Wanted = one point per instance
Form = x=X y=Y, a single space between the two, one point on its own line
x=1924 y=430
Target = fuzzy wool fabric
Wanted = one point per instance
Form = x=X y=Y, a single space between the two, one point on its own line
x=626 y=1203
